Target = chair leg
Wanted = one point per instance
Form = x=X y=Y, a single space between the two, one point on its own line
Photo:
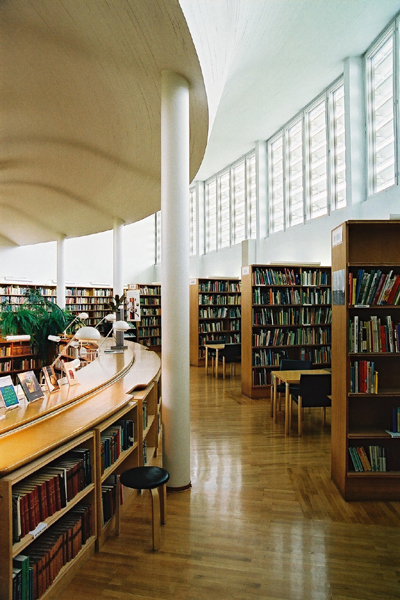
x=223 y=367
x=155 y=507
x=324 y=416
x=299 y=416
x=163 y=504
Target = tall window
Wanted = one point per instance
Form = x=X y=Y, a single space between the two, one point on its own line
x=294 y=170
x=239 y=202
x=276 y=197
x=193 y=222
x=158 y=236
x=224 y=212
x=211 y=215
x=316 y=161
x=380 y=114
x=337 y=146
x=251 y=195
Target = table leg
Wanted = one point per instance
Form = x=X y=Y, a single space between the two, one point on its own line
x=216 y=363
x=273 y=403
x=286 y=409
x=206 y=361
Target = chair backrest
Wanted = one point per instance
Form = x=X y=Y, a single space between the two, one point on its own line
x=287 y=364
x=220 y=340
x=315 y=389
x=232 y=353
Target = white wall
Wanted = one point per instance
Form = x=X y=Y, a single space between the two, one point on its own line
x=89 y=259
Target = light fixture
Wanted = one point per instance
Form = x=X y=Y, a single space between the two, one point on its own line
x=18 y=338
x=109 y=318
x=83 y=334
x=81 y=317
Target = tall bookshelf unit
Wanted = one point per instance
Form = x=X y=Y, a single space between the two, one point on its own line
x=365 y=332
x=286 y=313
x=149 y=327
x=92 y=300
x=215 y=311
x=16 y=357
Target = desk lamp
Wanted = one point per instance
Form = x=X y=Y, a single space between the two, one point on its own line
x=81 y=317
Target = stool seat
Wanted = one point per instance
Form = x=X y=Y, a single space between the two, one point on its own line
x=144 y=478
x=154 y=480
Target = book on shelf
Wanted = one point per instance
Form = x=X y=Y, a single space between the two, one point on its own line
x=8 y=396
x=70 y=373
x=373 y=460
x=369 y=288
x=30 y=386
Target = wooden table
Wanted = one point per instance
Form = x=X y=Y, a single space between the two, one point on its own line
x=289 y=377
x=216 y=347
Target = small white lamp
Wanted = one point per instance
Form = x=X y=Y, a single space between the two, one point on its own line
x=119 y=328
x=81 y=316
x=109 y=318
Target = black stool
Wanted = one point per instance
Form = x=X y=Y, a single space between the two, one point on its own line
x=150 y=478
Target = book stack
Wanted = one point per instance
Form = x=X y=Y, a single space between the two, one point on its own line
x=374 y=335
x=374 y=288
x=363 y=377
x=114 y=440
x=49 y=490
x=374 y=460
x=109 y=498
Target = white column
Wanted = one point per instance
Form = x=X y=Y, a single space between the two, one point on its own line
x=175 y=277
x=117 y=256
x=61 y=271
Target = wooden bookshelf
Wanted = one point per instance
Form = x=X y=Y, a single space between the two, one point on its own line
x=361 y=413
x=92 y=300
x=147 y=331
x=16 y=357
x=85 y=424
x=215 y=312
x=286 y=314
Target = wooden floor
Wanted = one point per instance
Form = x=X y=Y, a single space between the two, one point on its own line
x=263 y=519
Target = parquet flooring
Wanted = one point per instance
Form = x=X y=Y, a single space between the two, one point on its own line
x=263 y=519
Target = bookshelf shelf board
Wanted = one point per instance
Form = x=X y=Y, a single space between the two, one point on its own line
x=381 y=392
x=18 y=547
x=369 y=434
x=372 y=263
x=374 y=354
x=374 y=474
x=150 y=420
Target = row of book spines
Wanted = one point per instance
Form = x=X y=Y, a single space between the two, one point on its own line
x=109 y=499
x=372 y=336
x=87 y=301
x=286 y=337
x=49 y=490
x=292 y=296
x=149 y=331
x=15 y=349
x=287 y=276
x=114 y=440
x=46 y=556
x=216 y=299
x=150 y=341
x=219 y=313
x=287 y=318
x=363 y=377
x=18 y=365
x=219 y=286
x=374 y=288
x=396 y=419
x=231 y=338
x=219 y=326
x=89 y=292
x=374 y=460
x=267 y=358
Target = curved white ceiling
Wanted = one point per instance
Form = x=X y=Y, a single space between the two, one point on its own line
x=80 y=112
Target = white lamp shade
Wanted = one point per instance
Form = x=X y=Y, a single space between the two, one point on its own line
x=54 y=338
x=18 y=338
x=121 y=326
x=87 y=333
x=111 y=317
x=74 y=363
x=83 y=315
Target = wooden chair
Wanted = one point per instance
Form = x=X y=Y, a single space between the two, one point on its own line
x=212 y=353
x=288 y=364
x=314 y=391
x=231 y=355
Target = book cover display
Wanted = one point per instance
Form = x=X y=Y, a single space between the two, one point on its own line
x=30 y=386
x=70 y=372
x=51 y=379
x=8 y=396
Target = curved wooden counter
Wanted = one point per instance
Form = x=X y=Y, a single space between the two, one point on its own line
x=106 y=385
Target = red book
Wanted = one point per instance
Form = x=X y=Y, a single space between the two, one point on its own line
x=383 y=338
x=393 y=290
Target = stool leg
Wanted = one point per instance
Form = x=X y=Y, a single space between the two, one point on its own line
x=163 y=504
x=155 y=506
